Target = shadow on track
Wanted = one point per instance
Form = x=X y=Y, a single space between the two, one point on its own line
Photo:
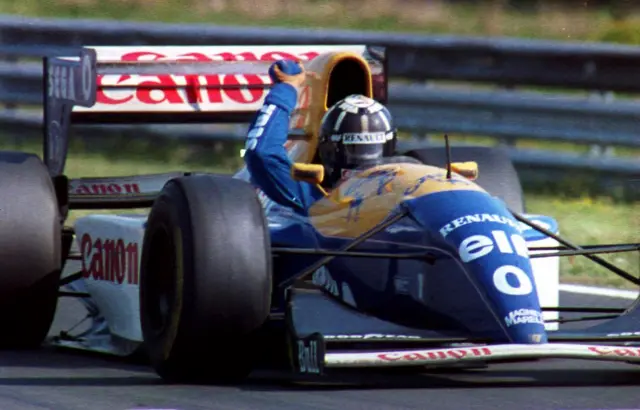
x=60 y=367
x=464 y=379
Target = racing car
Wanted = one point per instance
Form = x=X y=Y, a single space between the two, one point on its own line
x=427 y=259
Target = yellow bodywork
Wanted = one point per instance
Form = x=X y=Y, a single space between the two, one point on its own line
x=365 y=199
x=312 y=102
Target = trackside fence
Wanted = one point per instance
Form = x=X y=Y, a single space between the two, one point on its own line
x=519 y=93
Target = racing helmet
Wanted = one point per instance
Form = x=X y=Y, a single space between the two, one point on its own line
x=356 y=132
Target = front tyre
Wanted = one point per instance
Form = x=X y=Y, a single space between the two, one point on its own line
x=205 y=286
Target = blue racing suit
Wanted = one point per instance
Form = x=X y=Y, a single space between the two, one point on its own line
x=266 y=157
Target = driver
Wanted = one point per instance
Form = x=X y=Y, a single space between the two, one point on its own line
x=356 y=132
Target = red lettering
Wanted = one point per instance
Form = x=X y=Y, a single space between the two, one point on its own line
x=109 y=249
x=605 y=351
x=435 y=354
x=483 y=351
x=85 y=249
x=458 y=354
x=235 y=92
x=213 y=89
x=132 y=262
x=164 y=89
x=413 y=356
x=137 y=56
x=599 y=351
x=227 y=56
x=163 y=84
x=110 y=260
x=106 y=189
x=102 y=98
x=119 y=261
x=97 y=263
x=390 y=357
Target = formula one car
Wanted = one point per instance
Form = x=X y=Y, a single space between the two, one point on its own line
x=427 y=259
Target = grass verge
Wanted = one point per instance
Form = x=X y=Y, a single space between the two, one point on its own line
x=551 y=19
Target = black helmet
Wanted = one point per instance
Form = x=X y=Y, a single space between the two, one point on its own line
x=357 y=131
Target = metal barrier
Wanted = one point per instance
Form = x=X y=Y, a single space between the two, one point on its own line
x=582 y=77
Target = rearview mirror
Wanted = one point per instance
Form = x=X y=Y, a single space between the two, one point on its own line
x=468 y=169
x=311 y=173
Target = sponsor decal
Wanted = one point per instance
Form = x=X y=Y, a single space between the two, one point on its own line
x=322 y=278
x=62 y=82
x=111 y=260
x=309 y=356
x=477 y=246
x=258 y=127
x=64 y=79
x=623 y=334
x=475 y=218
x=611 y=351
x=444 y=354
x=440 y=177
x=523 y=287
x=370 y=336
x=213 y=88
x=383 y=177
x=355 y=138
x=105 y=188
x=520 y=316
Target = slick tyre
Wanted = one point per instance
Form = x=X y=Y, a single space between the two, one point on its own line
x=205 y=288
x=30 y=251
x=497 y=174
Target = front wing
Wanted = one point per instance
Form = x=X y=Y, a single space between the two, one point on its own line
x=470 y=354
x=327 y=334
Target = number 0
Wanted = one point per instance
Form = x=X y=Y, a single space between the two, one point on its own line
x=524 y=287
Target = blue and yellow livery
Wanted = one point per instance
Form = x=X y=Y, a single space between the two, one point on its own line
x=416 y=261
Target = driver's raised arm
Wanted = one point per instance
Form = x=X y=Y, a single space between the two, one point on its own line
x=265 y=155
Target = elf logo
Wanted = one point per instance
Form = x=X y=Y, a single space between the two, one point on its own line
x=477 y=246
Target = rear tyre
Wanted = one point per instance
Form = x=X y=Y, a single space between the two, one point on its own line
x=205 y=288
x=497 y=175
x=30 y=250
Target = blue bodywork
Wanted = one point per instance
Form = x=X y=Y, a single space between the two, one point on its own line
x=481 y=282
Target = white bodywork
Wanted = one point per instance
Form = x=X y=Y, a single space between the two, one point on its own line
x=109 y=275
x=110 y=243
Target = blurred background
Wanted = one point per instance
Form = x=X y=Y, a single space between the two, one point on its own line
x=603 y=20
x=589 y=207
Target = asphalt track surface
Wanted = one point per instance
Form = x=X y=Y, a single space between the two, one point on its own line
x=64 y=380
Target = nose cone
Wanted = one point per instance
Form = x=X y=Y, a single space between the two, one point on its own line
x=493 y=252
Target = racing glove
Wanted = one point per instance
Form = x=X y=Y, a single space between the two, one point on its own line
x=287 y=71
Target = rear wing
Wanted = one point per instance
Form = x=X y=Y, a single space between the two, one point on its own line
x=169 y=84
